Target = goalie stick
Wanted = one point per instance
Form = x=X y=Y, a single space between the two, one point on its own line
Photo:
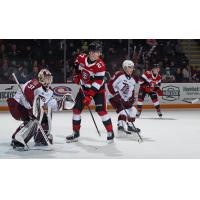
x=39 y=125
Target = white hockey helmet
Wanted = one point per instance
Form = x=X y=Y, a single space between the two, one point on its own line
x=127 y=64
x=45 y=77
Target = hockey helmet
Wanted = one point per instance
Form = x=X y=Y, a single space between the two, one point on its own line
x=45 y=77
x=155 y=68
x=95 y=46
x=155 y=65
x=128 y=64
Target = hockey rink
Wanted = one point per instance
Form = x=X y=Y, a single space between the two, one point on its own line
x=177 y=135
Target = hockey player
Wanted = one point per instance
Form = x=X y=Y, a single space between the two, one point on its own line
x=121 y=87
x=36 y=101
x=150 y=83
x=90 y=73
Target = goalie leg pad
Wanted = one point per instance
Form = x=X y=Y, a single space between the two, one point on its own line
x=24 y=133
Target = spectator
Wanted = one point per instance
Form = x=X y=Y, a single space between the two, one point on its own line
x=42 y=64
x=2 y=51
x=178 y=75
x=36 y=54
x=34 y=73
x=22 y=73
x=186 y=75
x=14 y=53
x=194 y=74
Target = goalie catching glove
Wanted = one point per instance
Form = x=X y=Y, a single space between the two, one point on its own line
x=66 y=103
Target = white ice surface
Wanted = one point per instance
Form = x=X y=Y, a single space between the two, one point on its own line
x=175 y=136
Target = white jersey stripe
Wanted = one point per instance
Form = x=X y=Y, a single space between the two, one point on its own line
x=144 y=76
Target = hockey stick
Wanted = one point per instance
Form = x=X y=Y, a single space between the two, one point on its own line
x=131 y=122
x=191 y=102
x=39 y=125
x=185 y=101
x=151 y=50
x=195 y=100
x=91 y=113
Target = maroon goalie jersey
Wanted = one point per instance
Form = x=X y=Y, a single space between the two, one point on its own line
x=91 y=75
x=31 y=90
x=148 y=79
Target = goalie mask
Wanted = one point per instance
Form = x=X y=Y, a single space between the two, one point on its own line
x=45 y=77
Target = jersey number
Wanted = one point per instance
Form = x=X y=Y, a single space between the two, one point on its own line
x=30 y=86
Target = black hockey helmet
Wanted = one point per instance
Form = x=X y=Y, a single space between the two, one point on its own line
x=155 y=65
x=95 y=46
x=155 y=68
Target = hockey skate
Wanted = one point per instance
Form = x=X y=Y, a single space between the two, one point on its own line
x=19 y=146
x=138 y=114
x=121 y=132
x=133 y=129
x=159 y=114
x=73 y=137
x=110 y=137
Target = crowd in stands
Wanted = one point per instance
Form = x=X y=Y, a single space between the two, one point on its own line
x=26 y=57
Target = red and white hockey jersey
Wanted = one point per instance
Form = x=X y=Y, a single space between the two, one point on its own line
x=122 y=84
x=148 y=78
x=91 y=75
x=32 y=89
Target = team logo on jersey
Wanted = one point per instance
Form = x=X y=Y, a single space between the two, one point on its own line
x=171 y=93
x=85 y=76
x=42 y=98
x=125 y=88
x=61 y=90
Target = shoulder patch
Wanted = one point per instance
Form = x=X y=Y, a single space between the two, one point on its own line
x=148 y=72
x=35 y=82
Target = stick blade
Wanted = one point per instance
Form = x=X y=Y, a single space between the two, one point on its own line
x=195 y=101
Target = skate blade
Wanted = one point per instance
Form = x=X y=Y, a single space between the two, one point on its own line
x=40 y=145
x=133 y=132
x=71 y=141
x=120 y=135
x=20 y=148
x=110 y=141
x=43 y=148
